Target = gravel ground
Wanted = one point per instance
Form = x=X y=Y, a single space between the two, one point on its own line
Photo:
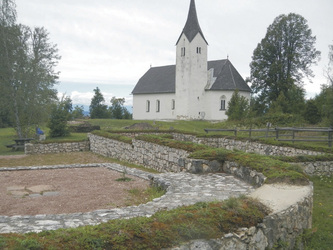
x=73 y=190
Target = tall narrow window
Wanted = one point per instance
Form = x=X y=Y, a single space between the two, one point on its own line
x=148 y=106
x=222 y=103
x=158 y=105
x=198 y=50
x=173 y=104
x=183 y=51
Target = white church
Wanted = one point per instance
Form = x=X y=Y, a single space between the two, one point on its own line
x=194 y=88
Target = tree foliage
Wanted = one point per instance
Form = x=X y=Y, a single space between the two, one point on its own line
x=117 y=109
x=60 y=114
x=98 y=109
x=238 y=107
x=312 y=112
x=78 y=112
x=27 y=71
x=283 y=58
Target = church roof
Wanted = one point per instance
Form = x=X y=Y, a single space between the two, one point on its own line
x=227 y=77
x=192 y=27
x=158 y=80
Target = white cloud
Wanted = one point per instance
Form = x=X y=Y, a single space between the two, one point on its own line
x=114 y=42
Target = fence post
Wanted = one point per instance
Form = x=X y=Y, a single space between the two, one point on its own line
x=293 y=135
x=250 y=131
x=277 y=133
x=268 y=126
x=330 y=136
x=235 y=132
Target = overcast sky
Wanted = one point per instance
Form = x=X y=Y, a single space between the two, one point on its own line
x=110 y=44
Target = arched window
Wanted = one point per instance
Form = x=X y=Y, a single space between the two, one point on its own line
x=198 y=50
x=147 y=106
x=223 y=103
x=158 y=106
x=173 y=104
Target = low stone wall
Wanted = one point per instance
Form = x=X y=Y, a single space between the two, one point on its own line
x=160 y=158
x=317 y=168
x=246 y=146
x=279 y=231
x=55 y=148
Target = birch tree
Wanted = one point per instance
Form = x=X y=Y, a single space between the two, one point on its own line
x=28 y=71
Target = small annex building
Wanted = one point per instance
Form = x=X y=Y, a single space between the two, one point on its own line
x=194 y=88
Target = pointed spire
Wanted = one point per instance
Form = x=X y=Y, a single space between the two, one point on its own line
x=192 y=27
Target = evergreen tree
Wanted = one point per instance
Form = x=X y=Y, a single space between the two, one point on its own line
x=98 y=110
x=60 y=114
x=238 y=107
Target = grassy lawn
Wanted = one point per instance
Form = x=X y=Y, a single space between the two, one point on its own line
x=321 y=234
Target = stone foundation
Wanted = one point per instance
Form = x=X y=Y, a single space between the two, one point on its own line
x=55 y=148
x=278 y=231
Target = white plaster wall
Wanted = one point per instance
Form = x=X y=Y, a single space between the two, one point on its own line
x=166 y=112
x=213 y=103
x=191 y=78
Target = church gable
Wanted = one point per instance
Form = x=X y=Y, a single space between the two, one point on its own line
x=227 y=77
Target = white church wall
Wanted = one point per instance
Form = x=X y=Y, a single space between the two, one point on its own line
x=164 y=110
x=213 y=100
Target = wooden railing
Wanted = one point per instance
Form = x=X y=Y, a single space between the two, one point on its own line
x=289 y=133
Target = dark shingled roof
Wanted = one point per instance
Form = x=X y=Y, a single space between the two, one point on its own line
x=227 y=77
x=162 y=79
x=157 y=80
x=192 y=27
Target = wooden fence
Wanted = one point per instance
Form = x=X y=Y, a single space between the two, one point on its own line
x=287 y=134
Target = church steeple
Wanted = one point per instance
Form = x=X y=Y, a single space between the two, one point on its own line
x=192 y=27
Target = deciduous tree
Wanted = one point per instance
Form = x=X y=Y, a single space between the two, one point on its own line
x=27 y=71
x=117 y=109
x=283 y=58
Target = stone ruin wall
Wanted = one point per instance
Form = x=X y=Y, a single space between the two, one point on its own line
x=283 y=227
x=56 y=148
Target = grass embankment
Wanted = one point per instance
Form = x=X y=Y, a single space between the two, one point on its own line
x=321 y=235
x=162 y=230
x=274 y=170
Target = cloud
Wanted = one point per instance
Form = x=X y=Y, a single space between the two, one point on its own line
x=115 y=42
x=84 y=98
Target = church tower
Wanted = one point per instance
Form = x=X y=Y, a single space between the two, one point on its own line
x=191 y=69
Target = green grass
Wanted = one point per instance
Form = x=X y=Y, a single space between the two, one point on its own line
x=7 y=136
x=164 y=229
x=321 y=235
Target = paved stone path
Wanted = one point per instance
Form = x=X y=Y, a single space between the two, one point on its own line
x=182 y=189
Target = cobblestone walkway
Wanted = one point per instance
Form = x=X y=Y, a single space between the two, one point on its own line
x=182 y=189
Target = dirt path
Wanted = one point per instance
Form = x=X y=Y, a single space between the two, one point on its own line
x=71 y=191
